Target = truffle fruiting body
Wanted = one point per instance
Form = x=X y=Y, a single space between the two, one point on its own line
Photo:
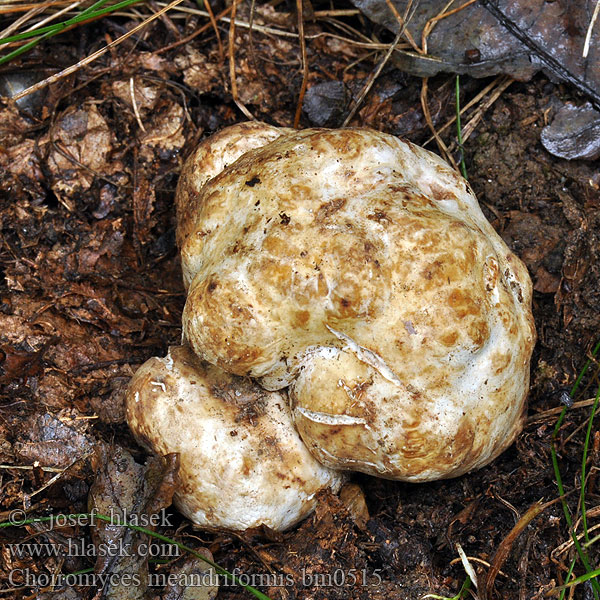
x=242 y=463
x=359 y=270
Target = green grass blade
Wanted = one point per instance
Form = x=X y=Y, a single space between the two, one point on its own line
x=586 y=445
x=88 y=13
x=22 y=49
x=580 y=551
x=48 y=28
x=52 y=30
x=462 y=593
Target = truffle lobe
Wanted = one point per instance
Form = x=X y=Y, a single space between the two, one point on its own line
x=242 y=463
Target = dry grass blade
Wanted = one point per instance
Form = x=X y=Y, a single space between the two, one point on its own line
x=478 y=560
x=588 y=35
x=348 y=29
x=434 y=20
x=188 y=38
x=583 y=425
x=92 y=57
x=34 y=10
x=231 y=51
x=213 y=22
x=484 y=92
x=56 y=477
x=15 y=7
x=31 y=467
x=471 y=125
x=304 y=64
x=506 y=544
x=553 y=412
x=166 y=20
x=250 y=36
x=341 y=12
x=222 y=17
x=136 y=111
x=371 y=80
x=402 y=22
x=440 y=142
x=469 y=570
x=568 y=544
x=54 y=16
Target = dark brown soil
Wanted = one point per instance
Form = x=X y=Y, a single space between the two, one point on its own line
x=91 y=287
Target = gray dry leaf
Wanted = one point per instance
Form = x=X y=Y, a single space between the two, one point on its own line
x=126 y=489
x=64 y=594
x=325 y=103
x=534 y=35
x=574 y=133
x=194 y=580
x=78 y=145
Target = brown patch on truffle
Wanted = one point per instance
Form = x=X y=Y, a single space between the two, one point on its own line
x=301 y=318
x=449 y=339
x=326 y=210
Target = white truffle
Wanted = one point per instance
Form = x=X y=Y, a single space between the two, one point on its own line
x=359 y=270
x=242 y=463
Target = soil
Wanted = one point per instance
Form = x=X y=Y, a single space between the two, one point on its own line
x=91 y=287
